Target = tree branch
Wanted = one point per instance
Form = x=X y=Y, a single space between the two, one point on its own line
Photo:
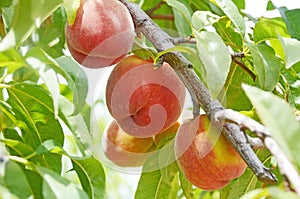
x=286 y=167
x=162 y=41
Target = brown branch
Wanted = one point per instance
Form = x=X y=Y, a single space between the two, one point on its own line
x=184 y=40
x=286 y=167
x=162 y=41
x=255 y=143
x=162 y=17
x=156 y=7
x=243 y=66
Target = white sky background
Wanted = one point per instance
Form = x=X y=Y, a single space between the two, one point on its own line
x=98 y=78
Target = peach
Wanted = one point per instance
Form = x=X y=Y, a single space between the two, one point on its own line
x=102 y=33
x=123 y=149
x=143 y=99
x=205 y=156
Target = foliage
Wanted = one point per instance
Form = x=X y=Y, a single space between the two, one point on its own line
x=43 y=94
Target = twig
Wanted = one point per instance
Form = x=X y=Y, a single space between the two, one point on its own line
x=162 y=16
x=156 y=7
x=162 y=41
x=286 y=167
x=184 y=40
x=255 y=143
x=244 y=67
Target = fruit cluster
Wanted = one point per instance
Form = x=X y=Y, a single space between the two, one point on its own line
x=145 y=101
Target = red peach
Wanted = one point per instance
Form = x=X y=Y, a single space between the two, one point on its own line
x=102 y=33
x=123 y=149
x=205 y=156
x=145 y=101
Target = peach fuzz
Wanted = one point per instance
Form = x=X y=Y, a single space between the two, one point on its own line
x=205 y=157
x=102 y=33
x=143 y=99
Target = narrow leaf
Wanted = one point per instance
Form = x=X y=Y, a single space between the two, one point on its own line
x=156 y=184
x=70 y=70
x=12 y=172
x=182 y=16
x=89 y=170
x=226 y=30
x=202 y=19
x=34 y=106
x=57 y=187
x=77 y=80
x=266 y=65
x=291 y=19
x=248 y=181
x=20 y=148
x=266 y=29
x=291 y=49
x=234 y=97
x=277 y=116
x=28 y=15
x=215 y=58
x=91 y=175
x=230 y=9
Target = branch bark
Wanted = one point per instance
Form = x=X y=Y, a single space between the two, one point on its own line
x=199 y=93
x=286 y=167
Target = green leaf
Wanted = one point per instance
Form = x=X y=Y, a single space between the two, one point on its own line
x=157 y=184
x=234 y=96
x=89 y=170
x=57 y=187
x=70 y=70
x=33 y=106
x=36 y=183
x=71 y=7
x=270 y=192
x=293 y=88
x=5 y=3
x=266 y=65
x=267 y=29
x=25 y=74
x=49 y=77
x=216 y=60
x=20 y=148
x=182 y=16
x=12 y=173
x=277 y=116
x=270 y=5
x=291 y=49
x=28 y=15
x=202 y=19
x=91 y=175
x=186 y=186
x=11 y=59
x=291 y=19
x=232 y=12
x=77 y=81
x=240 y=4
x=51 y=35
x=226 y=30
x=247 y=182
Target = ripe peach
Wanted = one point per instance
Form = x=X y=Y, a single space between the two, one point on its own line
x=145 y=101
x=123 y=149
x=205 y=156
x=102 y=33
